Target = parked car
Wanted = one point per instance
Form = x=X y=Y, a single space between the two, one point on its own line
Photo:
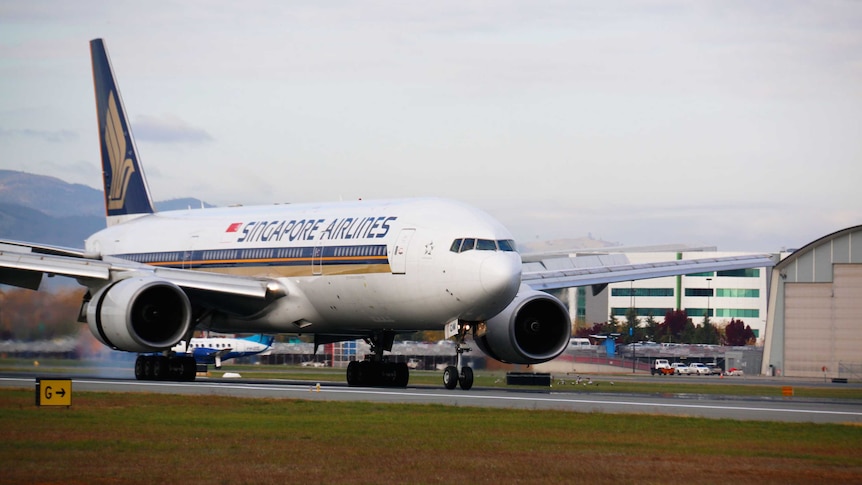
x=714 y=369
x=699 y=369
x=580 y=344
x=679 y=368
x=733 y=371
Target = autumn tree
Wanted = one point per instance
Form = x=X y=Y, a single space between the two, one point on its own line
x=596 y=329
x=736 y=333
x=39 y=315
x=673 y=325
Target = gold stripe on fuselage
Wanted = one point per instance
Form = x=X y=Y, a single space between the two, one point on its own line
x=251 y=267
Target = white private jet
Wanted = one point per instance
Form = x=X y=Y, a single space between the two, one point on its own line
x=338 y=271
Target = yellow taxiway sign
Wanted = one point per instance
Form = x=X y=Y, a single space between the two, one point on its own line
x=53 y=392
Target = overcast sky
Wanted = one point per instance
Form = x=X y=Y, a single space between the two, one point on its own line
x=728 y=123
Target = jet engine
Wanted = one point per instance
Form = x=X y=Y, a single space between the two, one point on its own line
x=139 y=314
x=534 y=328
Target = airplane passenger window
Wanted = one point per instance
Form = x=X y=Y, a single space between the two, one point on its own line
x=486 y=245
x=456 y=246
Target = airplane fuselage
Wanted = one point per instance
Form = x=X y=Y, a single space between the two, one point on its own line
x=346 y=267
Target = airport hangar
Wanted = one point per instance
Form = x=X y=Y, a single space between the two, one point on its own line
x=814 y=319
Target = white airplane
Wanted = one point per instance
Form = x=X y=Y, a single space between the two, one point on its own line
x=213 y=350
x=339 y=271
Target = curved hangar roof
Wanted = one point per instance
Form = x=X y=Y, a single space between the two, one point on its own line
x=813 y=262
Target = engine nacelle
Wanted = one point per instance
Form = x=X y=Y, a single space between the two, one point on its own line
x=534 y=328
x=139 y=315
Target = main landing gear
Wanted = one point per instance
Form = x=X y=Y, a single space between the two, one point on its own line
x=164 y=368
x=375 y=370
x=459 y=374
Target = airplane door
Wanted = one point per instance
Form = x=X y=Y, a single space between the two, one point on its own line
x=188 y=254
x=398 y=260
x=317 y=260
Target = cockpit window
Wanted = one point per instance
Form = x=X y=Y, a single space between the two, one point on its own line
x=486 y=245
x=466 y=244
x=506 y=244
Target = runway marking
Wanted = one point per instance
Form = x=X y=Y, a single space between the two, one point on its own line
x=590 y=401
x=443 y=395
x=306 y=388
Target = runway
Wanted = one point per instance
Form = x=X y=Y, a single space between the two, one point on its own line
x=715 y=407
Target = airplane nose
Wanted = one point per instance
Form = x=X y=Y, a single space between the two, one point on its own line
x=500 y=275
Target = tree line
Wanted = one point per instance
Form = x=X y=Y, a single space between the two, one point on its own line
x=39 y=315
x=676 y=327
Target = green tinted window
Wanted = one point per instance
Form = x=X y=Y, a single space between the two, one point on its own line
x=741 y=273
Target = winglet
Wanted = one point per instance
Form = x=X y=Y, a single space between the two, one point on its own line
x=126 y=193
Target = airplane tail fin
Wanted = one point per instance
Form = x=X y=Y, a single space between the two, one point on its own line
x=261 y=339
x=126 y=192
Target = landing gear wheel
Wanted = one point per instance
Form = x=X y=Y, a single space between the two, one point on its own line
x=376 y=370
x=189 y=369
x=466 y=379
x=450 y=377
x=353 y=374
x=402 y=374
x=160 y=368
x=373 y=374
x=139 y=368
x=148 y=368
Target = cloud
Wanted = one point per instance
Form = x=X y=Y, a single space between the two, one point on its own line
x=168 y=129
x=57 y=136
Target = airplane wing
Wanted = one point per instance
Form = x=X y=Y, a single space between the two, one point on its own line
x=40 y=248
x=207 y=353
x=24 y=265
x=593 y=270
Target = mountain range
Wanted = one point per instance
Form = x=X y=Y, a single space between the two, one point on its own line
x=47 y=210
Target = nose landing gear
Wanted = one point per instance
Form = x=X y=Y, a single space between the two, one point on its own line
x=459 y=374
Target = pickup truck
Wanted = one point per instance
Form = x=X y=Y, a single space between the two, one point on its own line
x=699 y=369
x=679 y=368
x=714 y=369
x=661 y=367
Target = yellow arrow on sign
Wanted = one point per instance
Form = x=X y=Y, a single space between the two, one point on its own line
x=54 y=392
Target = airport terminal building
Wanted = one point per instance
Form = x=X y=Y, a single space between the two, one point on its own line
x=723 y=295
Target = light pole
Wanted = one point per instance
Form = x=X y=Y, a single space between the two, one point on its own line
x=708 y=294
x=632 y=323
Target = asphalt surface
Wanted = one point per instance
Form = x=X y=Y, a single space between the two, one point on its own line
x=788 y=409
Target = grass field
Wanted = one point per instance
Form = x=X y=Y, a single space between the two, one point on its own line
x=148 y=438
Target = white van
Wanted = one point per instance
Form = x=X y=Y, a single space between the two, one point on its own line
x=580 y=343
